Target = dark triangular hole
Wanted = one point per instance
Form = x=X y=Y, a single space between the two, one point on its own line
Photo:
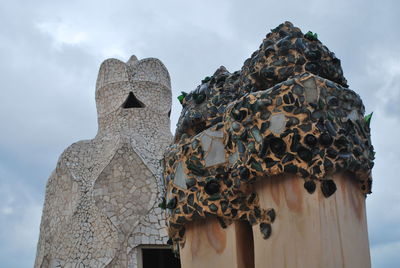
x=132 y=102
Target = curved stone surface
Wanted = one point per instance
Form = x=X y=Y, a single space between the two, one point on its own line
x=101 y=200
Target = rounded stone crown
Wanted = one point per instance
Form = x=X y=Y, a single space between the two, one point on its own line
x=147 y=81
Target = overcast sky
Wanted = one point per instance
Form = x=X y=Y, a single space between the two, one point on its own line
x=50 y=52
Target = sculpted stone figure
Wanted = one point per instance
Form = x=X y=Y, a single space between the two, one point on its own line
x=101 y=200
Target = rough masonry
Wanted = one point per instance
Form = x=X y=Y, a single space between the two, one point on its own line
x=102 y=199
x=288 y=110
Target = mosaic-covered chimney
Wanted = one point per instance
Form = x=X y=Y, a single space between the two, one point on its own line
x=101 y=205
x=271 y=164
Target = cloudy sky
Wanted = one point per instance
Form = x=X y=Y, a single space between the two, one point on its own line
x=50 y=52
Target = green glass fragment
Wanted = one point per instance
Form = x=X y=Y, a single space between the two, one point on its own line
x=368 y=118
x=163 y=204
x=182 y=96
x=206 y=79
x=311 y=36
x=257 y=166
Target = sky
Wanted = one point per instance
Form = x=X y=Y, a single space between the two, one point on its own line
x=50 y=52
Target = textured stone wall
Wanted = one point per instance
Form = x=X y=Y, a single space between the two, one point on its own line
x=102 y=199
x=288 y=110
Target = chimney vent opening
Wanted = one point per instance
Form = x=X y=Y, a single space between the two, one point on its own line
x=132 y=102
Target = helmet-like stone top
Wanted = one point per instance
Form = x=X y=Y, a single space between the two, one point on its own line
x=146 y=81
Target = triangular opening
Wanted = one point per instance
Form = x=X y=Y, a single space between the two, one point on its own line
x=132 y=102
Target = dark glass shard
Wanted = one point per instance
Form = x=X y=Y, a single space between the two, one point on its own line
x=305 y=127
x=271 y=214
x=244 y=173
x=287 y=158
x=310 y=140
x=252 y=220
x=213 y=208
x=325 y=139
x=190 y=182
x=304 y=173
x=212 y=187
x=190 y=199
x=328 y=187
x=290 y=168
x=341 y=142
x=266 y=230
x=224 y=206
x=270 y=162
x=304 y=154
x=328 y=165
x=332 y=153
x=172 y=203
x=295 y=142
x=310 y=186
x=251 y=198
x=277 y=146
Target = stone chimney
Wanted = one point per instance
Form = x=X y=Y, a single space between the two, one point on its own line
x=271 y=164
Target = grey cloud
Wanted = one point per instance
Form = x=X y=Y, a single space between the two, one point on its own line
x=47 y=91
x=19 y=217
